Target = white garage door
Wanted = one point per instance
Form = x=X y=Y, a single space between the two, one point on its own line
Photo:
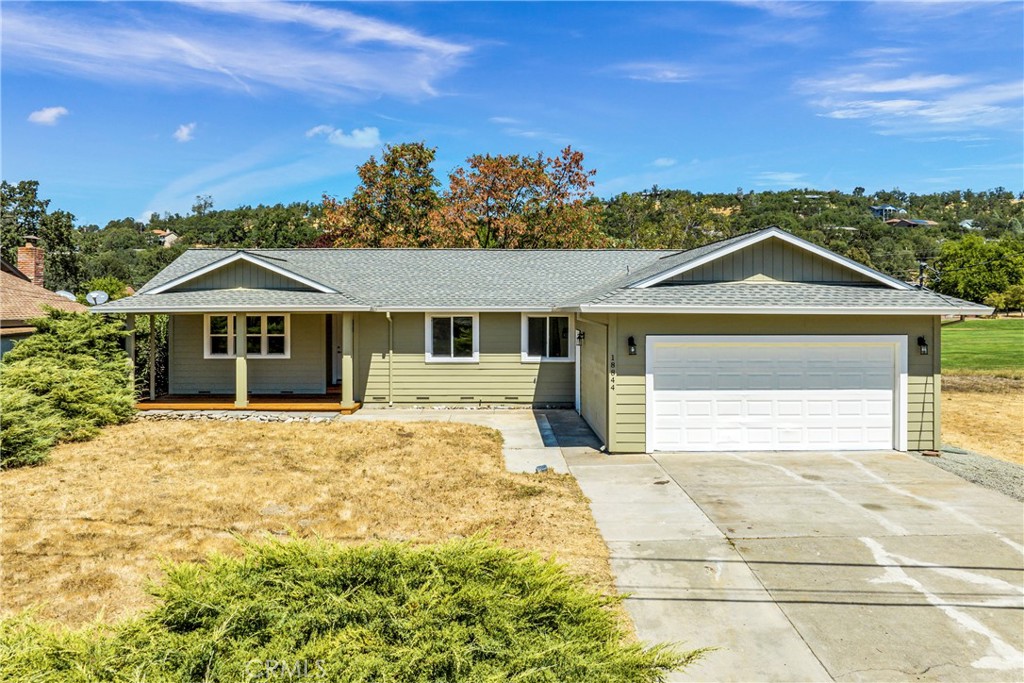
x=772 y=393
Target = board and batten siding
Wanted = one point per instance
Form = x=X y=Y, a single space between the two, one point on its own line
x=771 y=260
x=303 y=373
x=500 y=377
x=627 y=427
x=242 y=275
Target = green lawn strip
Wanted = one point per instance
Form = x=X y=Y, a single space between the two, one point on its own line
x=464 y=610
x=983 y=345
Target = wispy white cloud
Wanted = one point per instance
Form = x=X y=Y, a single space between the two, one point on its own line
x=47 y=116
x=664 y=162
x=655 y=72
x=286 y=46
x=505 y=120
x=360 y=138
x=185 y=132
x=779 y=178
x=894 y=102
x=785 y=9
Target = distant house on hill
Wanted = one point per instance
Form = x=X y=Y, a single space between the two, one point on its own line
x=23 y=297
x=886 y=211
x=165 y=237
x=910 y=223
x=969 y=224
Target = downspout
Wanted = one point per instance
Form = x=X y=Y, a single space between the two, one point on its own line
x=391 y=343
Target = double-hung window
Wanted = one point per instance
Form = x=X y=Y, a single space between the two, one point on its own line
x=547 y=338
x=452 y=338
x=267 y=335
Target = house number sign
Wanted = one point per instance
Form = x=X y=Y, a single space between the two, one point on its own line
x=611 y=372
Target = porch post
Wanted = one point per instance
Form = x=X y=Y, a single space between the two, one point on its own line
x=129 y=345
x=347 y=368
x=152 y=356
x=241 y=368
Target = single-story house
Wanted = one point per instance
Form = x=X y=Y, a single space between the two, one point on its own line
x=759 y=342
x=23 y=297
x=910 y=223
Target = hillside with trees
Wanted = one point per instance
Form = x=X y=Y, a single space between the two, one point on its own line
x=965 y=243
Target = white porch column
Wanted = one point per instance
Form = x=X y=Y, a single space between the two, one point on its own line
x=241 y=367
x=347 y=366
x=152 y=356
x=129 y=345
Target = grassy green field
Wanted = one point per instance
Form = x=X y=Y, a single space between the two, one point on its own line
x=983 y=345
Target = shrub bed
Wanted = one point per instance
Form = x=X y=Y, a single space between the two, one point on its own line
x=62 y=384
x=465 y=610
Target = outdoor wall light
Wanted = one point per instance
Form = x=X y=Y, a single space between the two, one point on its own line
x=579 y=337
x=922 y=345
x=632 y=346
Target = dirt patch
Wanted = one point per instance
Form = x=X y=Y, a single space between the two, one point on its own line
x=83 y=533
x=983 y=383
x=984 y=415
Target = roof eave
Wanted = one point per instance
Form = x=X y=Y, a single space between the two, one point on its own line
x=793 y=310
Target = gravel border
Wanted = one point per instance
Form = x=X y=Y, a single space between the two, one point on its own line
x=983 y=470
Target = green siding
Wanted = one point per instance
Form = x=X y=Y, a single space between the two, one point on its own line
x=628 y=399
x=303 y=373
x=501 y=377
x=771 y=259
x=594 y=375
x=242 y=275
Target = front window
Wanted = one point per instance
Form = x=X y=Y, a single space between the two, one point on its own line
x=267 y=335
x=547 y=337
x=452 y=338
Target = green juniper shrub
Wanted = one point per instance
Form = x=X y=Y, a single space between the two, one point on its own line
x=74 y=366
x=465 y=610
x=28 y=428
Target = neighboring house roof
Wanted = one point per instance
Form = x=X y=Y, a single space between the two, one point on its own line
x=518 y=280
x=910 y=222
x=20 y=300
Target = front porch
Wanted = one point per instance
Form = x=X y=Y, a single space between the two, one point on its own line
x=313 y=372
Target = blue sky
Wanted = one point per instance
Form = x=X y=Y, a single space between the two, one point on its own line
x=120 y=109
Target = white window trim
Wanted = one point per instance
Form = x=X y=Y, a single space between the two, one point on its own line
x=524 y=339
x=233 y=340
x=428 y=337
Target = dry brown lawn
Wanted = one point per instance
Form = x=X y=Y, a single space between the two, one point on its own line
x=83 y=533
x=984 y=414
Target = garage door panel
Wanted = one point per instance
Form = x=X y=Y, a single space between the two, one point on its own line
x=772 y=396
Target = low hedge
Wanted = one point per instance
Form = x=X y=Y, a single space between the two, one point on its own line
x=465 y=610
x=78 y=374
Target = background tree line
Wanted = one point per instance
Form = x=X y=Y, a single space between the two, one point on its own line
x=517 y=201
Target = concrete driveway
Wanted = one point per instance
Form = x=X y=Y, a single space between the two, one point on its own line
x=814 y=566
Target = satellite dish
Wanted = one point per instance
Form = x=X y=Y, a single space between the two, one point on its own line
x=97 y=297
x=66 y=294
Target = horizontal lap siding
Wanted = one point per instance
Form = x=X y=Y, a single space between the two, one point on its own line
x=630 y=396
x=303 y=373
x=499 y=377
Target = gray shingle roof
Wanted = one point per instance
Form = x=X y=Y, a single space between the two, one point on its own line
x=767 y=296
x=236 y=300
x=476 y=279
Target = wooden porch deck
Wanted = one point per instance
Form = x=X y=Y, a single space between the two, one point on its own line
x=326 y=403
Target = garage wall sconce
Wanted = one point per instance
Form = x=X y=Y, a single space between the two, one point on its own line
x=580 y=334
x=632 y=346
x=922 y=345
